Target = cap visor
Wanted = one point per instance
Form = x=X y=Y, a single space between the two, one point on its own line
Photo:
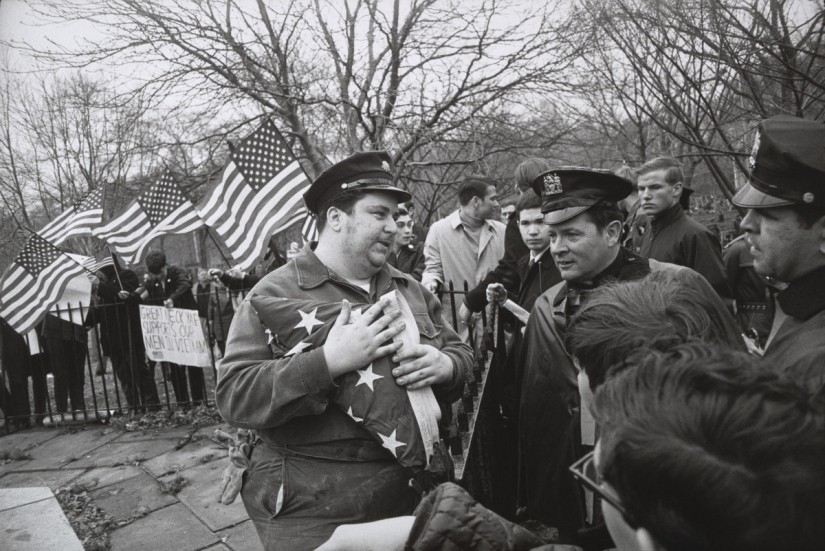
x=403 y=196
x=563 y=215
x=751 y=198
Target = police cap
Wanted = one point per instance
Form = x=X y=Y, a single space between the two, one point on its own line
x=787 y=164
x=569 y=190
x=366 y=170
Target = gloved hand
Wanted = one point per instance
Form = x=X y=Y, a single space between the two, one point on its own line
x=239 y=463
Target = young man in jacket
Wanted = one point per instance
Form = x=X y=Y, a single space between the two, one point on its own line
x=673 y=236
x=312 y=367
x=785 y=229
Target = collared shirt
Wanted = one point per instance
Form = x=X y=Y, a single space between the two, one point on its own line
x=535 y=256
x=450 y=257
x=287 y=398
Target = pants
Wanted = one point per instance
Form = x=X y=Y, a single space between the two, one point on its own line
x=137 y=380
x=67 y=360
x=177 y=373
x=296 y=502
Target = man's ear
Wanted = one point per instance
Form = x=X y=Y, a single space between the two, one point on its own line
x=678 y=188
x=335 y=218
x=646 y=541
x=614 y=232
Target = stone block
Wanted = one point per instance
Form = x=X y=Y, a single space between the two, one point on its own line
x=100 y=477
x=242 y=537
x=139 y=494
x=16 y=497
x=50 y=479
x=123 y=453
x=200 y=496
x=172 y=528
x=191 y=455
x=22 y=528
x=67 y=447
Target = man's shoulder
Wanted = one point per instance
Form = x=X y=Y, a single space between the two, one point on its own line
x=278 y=282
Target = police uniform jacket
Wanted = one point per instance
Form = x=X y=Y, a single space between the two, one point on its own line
x=798 y=348
x=676 y=238
x=550 y=406
x=287 y=398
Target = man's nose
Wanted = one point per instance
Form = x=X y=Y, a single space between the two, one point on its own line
x=748 y=223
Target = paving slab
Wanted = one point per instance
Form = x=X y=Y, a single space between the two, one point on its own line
x=15 y=497
x=242 y=537
x=171 y=433
x=26 y=439
x=113 y=454
x=200 y=496
x=50 y=479
x=191 y=455
x=23 y=528
x=12 y=466
x=65 y=448
x=100 y=477
x=139 y=494
x=172 y=528
x=218 y=547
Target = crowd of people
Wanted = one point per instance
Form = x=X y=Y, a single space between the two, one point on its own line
x=656 y=391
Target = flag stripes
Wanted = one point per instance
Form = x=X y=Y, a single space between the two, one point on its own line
x=260 y=194
x=161 y=210
x=34 y=282
x=76 y=221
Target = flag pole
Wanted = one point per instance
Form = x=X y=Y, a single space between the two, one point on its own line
x=117 y=274
x=218 y=246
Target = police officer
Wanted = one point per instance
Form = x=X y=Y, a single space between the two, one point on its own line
x=785 y=229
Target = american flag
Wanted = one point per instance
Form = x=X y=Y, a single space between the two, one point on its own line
x=161 y=210
x=77 y=220
x=310 y=228
x=259 y=195
x=100 y=259
x=34 y=282
x=369 y=395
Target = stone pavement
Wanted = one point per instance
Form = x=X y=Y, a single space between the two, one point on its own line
x=124 y=473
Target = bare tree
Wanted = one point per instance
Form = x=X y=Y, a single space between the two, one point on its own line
x=338 y=76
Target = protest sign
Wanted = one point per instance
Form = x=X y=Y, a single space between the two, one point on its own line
x=173 y=335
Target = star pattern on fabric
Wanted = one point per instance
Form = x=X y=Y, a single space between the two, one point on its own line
x=391 y=443
x=37 y=255
x=366 y=377
x=270 y=337
x=354 y=418
x=262 y=155
x=163 y=197
x=308 y=321
x=298 y=348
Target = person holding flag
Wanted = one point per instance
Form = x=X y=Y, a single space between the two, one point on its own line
x=316 y=366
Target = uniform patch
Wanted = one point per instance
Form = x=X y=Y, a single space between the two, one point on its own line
x=385 y=165
x=552 y=184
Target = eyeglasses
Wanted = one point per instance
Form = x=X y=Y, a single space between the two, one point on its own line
x=584 y=470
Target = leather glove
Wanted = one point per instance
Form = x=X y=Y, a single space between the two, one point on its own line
x=238 y=451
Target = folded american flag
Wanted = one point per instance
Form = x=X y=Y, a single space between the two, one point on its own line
x=370 y=395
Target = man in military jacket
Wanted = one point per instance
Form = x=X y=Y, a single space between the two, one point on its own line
x=312 y=366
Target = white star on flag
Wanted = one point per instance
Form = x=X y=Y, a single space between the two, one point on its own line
x=391 y=443
x=269 y=336
x=366 y=377
x=355 y=315
x=298 y=348
x=308 y=321
x=354 y=418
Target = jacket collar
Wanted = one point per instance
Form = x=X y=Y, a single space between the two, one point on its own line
x=667 y=218
x=313 y=273
x=805 y=296
x=455 y=221
x=627 y=266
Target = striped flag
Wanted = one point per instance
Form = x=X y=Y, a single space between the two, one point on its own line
x=98 y=260
x=310 y=228
x=34 y=282
x=161 y=210
x=76 y=221
x=259 y=195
